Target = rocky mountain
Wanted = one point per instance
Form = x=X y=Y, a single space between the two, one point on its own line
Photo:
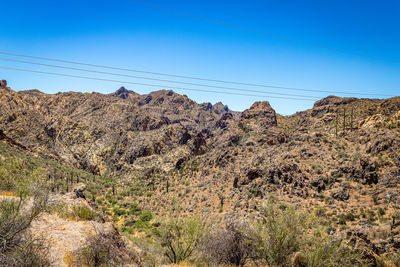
x=106 y=132
x=341 y=157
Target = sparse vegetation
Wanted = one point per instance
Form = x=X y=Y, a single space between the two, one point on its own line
x=181 y=237
x=104 y=249
x=18 y=246
x=230 y=245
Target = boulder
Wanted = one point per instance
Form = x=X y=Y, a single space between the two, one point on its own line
x=319 y=183
x=79 y=189
x=341 y=195
x=199 y=145
x=3 y=83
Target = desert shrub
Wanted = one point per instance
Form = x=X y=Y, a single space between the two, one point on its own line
x=65 y=211
x=144 y=220
x=324 y=250
x=118 y=211
x=231 y=245
x=342 y=154
x=134 y=208
x=342 y=219
x=381 y=212
x=10 y=174
x=60 y=208
x=29 y=252
x=146 y=216
x=320 y=211
x=75 y=212
x=317 y=167
x=150 y=251
x=18 y=246
x=104 y=249
x=395 y=259
x=287 y=237
x=83 y=213
x=180 y=238
x=17 y=178
x=141 y=225
x=279 y=233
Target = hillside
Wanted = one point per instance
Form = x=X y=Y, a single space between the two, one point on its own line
x=167 y=154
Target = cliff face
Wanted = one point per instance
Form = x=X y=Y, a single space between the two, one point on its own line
x=342 y=156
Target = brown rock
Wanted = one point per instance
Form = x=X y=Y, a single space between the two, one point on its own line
x=3 y=83
x=259 y=114
x=199 y=145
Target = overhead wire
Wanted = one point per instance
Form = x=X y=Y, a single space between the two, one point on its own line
x=152 y=79
x=154 y=85
x=192 y=77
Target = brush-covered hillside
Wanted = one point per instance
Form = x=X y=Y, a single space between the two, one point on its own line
x=178 y=181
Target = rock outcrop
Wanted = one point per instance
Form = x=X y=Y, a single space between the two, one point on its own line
x=3 y=83
x=260 y=114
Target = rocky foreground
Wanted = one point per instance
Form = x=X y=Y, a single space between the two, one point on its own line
x=340 y=159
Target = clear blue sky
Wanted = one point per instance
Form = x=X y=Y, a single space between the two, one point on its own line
x=126 y=34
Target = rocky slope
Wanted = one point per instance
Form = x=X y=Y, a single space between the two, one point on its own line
x=341 y=158
x=108 y=132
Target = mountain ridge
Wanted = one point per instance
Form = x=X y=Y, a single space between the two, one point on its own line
x=170 y=154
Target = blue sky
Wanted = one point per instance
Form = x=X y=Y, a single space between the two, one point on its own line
x=126 y=34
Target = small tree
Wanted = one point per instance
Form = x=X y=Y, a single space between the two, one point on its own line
x=181 y=237
x=285 y=236
x=18 y=246
x=105 y=249
x=323 y=250
x=230 y=245
x=279 y=233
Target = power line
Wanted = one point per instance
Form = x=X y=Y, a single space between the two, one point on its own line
x=191 y=77
x=248 y=29
x=153 y=79
x=155 y=85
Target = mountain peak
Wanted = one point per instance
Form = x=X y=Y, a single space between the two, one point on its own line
x=123 y=93
x=334 y=100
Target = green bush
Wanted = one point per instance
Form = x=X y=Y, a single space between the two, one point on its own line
x=18 y=178
x=18 y=246
x=324 y=250
x=292 y=238
x=350 y=216
x=77 y=212
x=279 y=234
x=134 y=208
x=317 y=167
x=342 y=220
x=142 y=225
x=83 y=213
x=381 y=212
x=146 y=216
x=118 y=211
x=180 y=238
